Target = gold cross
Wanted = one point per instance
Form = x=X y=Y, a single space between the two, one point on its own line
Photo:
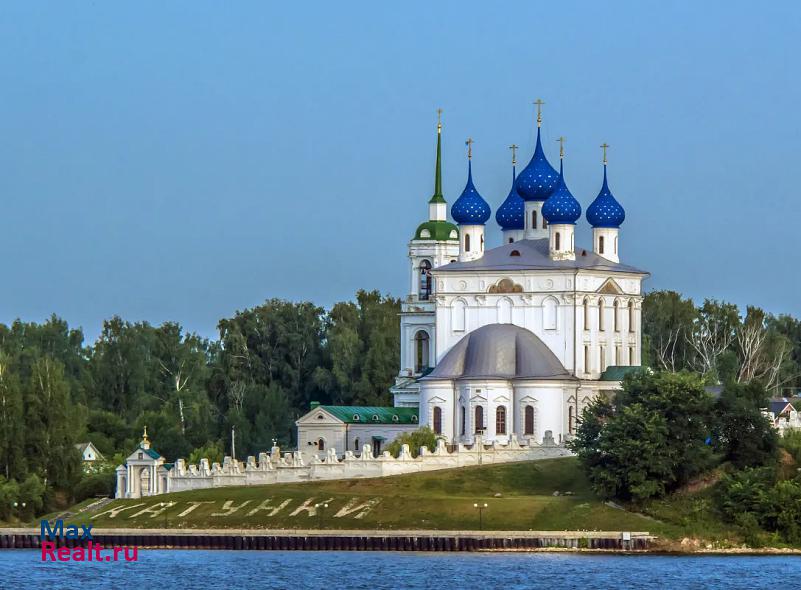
x=469 y=144
x=539 y=104
x=514 y=147
x=561 y=141
x=439 y=119
x=604 y=146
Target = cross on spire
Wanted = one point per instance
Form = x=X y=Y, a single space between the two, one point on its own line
x=514 y=147
x=469 y=144
x=561 y=141
x=603 y=147
x=539 y=102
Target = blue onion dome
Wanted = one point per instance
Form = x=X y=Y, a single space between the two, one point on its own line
x=470 y=208
x=561 y=206
x=538 y=179
x=511 y=214
x=605 y=211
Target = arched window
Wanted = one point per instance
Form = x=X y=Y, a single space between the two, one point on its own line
x=586 y=359
x=601 y=314
x=549 y=313
x=528 y=422
x=571 y=419
x=356 y=445
x=500 y=420
x=616 y=310
x=631 y=316
x=464 y=420
x=505 y=311
x=556 y=241
x=425 y=280
x=617 y=356
x=482 y=242
x=321 y=444
x=421 y=342
x=600 y=244
x=533 y=220
x=479 y=419
x=437 y=420
x=586 y=313
x=458 y=313
x=602 y=358
x=467 y=242
x=632 y=360
x=511 y=240
x=544 y=223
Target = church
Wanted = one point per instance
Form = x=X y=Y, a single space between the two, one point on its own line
x=506 y=342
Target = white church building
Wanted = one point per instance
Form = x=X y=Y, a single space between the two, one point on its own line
x=515 y=339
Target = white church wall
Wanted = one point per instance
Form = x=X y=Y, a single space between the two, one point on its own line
x=295 y=467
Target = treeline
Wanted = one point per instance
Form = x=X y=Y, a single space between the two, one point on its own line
x=268 y=364
x=720 y=342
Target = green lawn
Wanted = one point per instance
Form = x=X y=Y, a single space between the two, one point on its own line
x=435 y=500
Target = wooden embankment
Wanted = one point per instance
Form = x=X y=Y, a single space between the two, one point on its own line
x=353 y=540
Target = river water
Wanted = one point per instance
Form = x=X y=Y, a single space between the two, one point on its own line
x=296 y=570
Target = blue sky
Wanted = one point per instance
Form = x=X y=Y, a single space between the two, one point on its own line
x=180 y=161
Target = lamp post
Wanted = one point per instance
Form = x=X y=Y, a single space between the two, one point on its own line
x=319 y=508
x=480 y=508
x=19 y=508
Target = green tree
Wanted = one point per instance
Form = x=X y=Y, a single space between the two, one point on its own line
x=650 y=440
x=422 y=437
x=667 y=321
x=742 y=434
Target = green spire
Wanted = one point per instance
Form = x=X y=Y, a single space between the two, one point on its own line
x=438 y=198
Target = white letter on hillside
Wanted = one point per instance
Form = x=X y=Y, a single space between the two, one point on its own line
x=155 y=509
x=273 y=510
x=362 y=508
x=229 y=508
x=193 y=505
x=115 y=511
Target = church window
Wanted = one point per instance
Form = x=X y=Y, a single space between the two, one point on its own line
x=356 y=445
x=437 y=420
x=600 y=244
x=571 y=419
x=528 y=426
x=616 y=310
x=601 y=314
x=533 y=220
x=556 y=241
x=425 y=280
x=321 y=444
x=141 y=455
x=631 y=356
x=464 y=420
x=505 y=311
x=458 y=313
x=500 y=420
x=631 y=316
x=586 y=313
x=617 y=356
x=586 y=359
x=421 y=342
x=549 y=314
x=482 y=242
x=479 y=419
x=514 y=253
x=467 y=242
x=511 y=240
x=544 y=222
x=602 y=357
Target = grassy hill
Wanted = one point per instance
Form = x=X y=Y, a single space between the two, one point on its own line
x=519 y=496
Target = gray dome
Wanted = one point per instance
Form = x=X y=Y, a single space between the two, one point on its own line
x=501 y=351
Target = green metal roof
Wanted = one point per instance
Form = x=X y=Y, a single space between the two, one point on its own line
x=616 y=372
x=373 y=414
x=150 y=452
x=438 y=230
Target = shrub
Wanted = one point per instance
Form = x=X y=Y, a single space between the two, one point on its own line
x=422 y=437
x=96 y=484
